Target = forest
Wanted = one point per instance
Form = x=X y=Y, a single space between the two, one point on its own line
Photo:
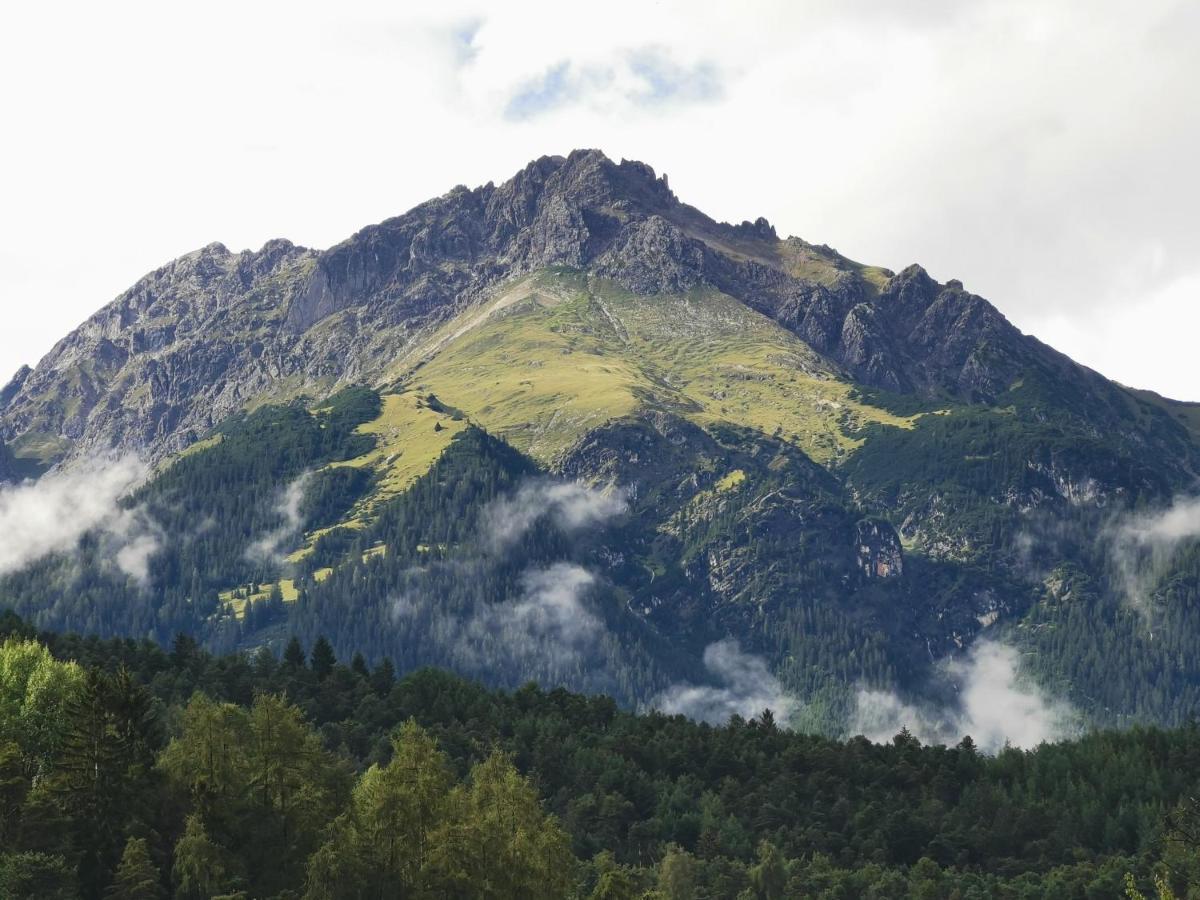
x=417 y=578
x=132 y=771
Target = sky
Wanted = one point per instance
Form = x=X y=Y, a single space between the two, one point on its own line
x=1044 y=153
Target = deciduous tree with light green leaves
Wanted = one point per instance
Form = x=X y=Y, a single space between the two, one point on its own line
x=260 y=781
x=498 y=842
x=201 y=868
x=35 y=692
x=411 y=831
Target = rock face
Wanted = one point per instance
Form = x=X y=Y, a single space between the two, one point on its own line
x=878 y=547
x=213 y=331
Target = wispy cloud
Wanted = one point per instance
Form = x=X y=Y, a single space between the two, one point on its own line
x=569 y=506
x=995 y=706
x=550 y=619
x=472 y=617
x=646 y=77
x=51 y=515
x=548 y=627
x=548 y=91
x=742 y=685
x=268 y=548
x=1143 y=546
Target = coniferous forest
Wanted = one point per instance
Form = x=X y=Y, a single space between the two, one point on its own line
x=132 y=771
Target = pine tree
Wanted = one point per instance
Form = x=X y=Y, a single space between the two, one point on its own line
x=383 y=677
x=137 y=877
x=323 y=658
x=90 y=777
x=36 y=876
x=293 y=655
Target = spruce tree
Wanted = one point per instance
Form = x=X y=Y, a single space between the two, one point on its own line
x=323 y=658
x=137 y=877
x=294 y=654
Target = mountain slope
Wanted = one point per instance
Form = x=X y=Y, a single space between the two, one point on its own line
x=214 y=331
x=570 y=428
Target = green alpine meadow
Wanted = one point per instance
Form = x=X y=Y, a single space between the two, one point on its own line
x=556 y=540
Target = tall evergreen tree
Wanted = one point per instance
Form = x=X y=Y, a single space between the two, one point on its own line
x=137 y=878
x=323 y=658
x=293 y=654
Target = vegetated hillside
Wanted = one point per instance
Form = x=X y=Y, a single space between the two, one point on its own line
x=130 y=768
x=570 y=429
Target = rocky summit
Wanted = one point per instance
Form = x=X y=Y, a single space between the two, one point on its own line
x=213 y=331
x=570 y=428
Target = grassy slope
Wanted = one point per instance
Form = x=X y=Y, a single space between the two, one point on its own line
x=557 y=354
x=410 y=434
x=560 y=353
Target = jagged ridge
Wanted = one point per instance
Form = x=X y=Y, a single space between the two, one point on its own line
x=215 y=331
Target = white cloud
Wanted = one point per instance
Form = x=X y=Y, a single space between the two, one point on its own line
x=51 y=515
x=995 y=706
x=268 y=548
x=1039 y=151
x=743 y=685
x=548 y=627
x=549 y=622
x=569 y=505
x=1142 y=546
x=133 y=557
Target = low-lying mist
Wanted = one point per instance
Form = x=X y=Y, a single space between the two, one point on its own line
x=52 y=515
x=995 y=706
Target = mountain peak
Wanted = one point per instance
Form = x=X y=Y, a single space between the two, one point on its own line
x=203 y=336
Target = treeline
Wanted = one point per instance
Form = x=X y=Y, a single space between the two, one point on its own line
x=130 y=771
x=207 y=510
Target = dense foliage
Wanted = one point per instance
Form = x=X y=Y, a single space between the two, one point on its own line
x=725 y=531
x=208 y=507
x=128 y=771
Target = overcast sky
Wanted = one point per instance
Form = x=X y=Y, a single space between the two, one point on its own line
x=1045 y=153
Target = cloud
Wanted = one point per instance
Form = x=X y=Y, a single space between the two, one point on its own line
x=665 y=81
x=1143 y=546
x=638 y=78
x=549 y=620
x=551 y=89
x=743 y=686
x=995 y=706
x=133 y=558
x=547 y=628
x=470 y=617
x=1165 y=529
x=570 y=506
x=51 y=515
x=131 y=541
x=269 y=547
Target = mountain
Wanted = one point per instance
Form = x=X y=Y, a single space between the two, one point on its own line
x=570 y=428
